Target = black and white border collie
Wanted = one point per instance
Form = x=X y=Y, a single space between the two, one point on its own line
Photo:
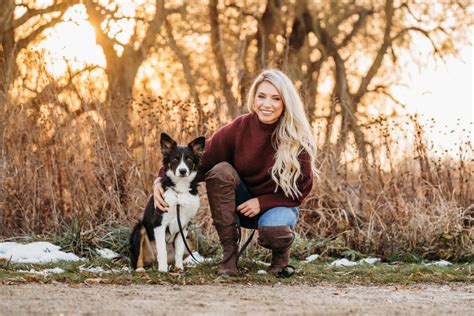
x=149 y=238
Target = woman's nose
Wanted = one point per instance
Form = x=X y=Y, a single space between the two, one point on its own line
x=267 y=102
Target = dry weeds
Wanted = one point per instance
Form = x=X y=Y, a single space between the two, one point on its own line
x=62 y=170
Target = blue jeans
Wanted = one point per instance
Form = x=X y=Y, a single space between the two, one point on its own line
x=277 y=216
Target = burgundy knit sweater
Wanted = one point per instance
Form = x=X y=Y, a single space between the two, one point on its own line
x=246 y=144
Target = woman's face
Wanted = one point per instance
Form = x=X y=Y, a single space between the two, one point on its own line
x=268 y=103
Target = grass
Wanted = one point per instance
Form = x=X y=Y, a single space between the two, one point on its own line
x=400 y=268
x=312 y=273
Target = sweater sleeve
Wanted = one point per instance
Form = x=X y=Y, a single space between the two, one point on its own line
x=304 y=183
x=220 y=147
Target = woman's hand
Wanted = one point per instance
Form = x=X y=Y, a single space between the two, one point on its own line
x=250 y=208
x=158 y=196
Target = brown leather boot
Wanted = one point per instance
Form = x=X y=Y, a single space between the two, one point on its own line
x=221 y=182
x=278 y=239
x=228 y=236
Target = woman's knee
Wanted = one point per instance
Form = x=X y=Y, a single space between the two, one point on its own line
x=223 y=172
x=279 y=216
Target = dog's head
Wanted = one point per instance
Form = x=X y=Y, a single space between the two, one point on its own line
x=181 y=160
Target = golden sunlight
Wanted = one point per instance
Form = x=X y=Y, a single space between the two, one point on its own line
x=442 y=95
x=439 y=90
x=71 y=43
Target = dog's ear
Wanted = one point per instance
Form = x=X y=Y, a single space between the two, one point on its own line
x=197 y=145
x=167 y=144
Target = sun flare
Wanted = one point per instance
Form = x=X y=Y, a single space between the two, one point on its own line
x=72 y=43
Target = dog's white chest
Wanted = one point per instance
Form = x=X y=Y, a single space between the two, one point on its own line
x=188 y=207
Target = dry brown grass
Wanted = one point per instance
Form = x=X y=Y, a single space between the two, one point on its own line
x=61 y=169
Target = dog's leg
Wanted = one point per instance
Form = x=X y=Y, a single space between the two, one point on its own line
x=162 y=255
x=140 y=261
x=179 y=250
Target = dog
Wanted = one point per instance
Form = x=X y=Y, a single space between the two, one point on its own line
x=151 y=235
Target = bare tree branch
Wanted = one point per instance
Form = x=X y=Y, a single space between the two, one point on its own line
x=425 y=33
x=178 y=10
x=23 y=43
x=349 y=13
x=389 y=11
x=56 y=7
x=184 y=59
x=154 y=28
x=96 y=19
x=384 y=89
x=406 y=5
x=363 y=14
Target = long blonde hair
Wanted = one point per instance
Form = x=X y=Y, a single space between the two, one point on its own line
x=291 y=137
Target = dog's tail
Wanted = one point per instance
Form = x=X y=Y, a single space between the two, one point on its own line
x=135 y=238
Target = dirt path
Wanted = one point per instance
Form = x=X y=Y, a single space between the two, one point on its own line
x=426 y=299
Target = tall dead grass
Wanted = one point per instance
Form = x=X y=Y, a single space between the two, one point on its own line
x=61 y=170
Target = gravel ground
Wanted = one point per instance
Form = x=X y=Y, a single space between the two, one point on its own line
x=321 y=299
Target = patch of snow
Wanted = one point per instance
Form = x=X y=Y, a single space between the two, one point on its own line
x=44 y=272
x=93 y=270
x=343 y=263
x=440 y=263
x=190 y=262
x=369 y=260
x=100 y=270
x=6 y=246
x=311 y=258
x=348 y=263
x=35 y=252
x=107 y=253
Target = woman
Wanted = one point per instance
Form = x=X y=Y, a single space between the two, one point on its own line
x=260 y=167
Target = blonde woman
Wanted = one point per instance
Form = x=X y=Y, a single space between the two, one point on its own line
x=258 y=169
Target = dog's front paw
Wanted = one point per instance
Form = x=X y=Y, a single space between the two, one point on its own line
x=163 y=269
x=179 y=267
x=140 y=270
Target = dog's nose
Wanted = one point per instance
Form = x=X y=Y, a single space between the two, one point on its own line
x=182 y=171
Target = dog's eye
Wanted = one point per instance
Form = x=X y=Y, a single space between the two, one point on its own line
x=189 y=160
x=174 y=160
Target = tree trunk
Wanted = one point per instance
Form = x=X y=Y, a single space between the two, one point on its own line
x=216 y=44
x=7 y=49
x=7 y=69
x=348 y=110
x=300 y=51
x=121 y=76
x=122 y=70
x=269 y=25
x=343 y=96
x=188 y=75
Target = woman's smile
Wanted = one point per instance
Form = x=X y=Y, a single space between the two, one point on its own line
x=268 y=103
